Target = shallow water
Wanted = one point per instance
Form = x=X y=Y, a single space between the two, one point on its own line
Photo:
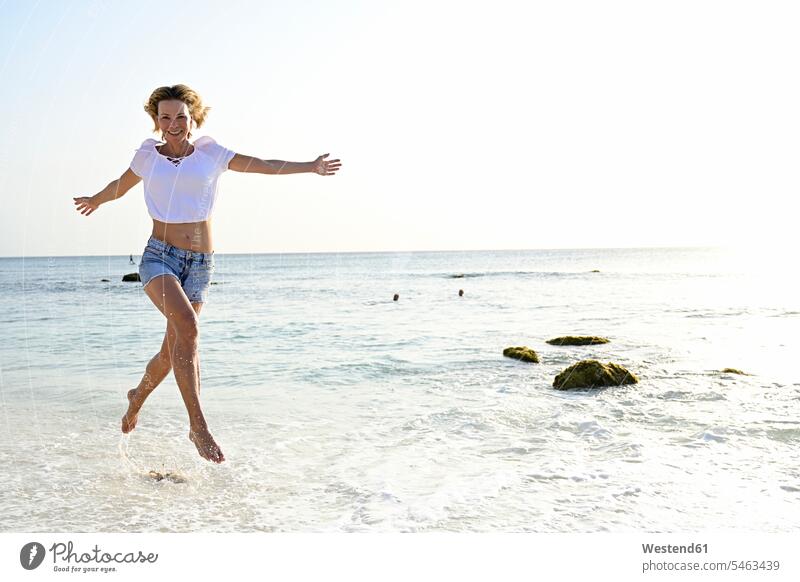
x=341 y=410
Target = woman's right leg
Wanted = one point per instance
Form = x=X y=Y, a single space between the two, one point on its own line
x=157 y=369
x=167 y=295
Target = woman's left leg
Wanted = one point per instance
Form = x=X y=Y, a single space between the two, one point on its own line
x=157 y=369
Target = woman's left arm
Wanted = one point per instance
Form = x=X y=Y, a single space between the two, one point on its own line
x=321 y=166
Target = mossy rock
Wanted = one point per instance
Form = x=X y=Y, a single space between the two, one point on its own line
x=131 y=277
x=595 y=271
x=593 y=374
x=733 y=371
x=523 y=353
x=577 y=340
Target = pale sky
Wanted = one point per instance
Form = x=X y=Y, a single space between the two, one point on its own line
x=461 y=125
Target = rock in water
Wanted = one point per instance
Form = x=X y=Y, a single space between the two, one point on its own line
x=733 y=371
x=523 y=353
x=155 y=475
x=174 y=477
x=593 y=374
x=577 y=340
x=131 y=277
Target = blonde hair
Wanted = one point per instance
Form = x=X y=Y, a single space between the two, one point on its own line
x=193 y=101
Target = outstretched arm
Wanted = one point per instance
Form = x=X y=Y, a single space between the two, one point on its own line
x=321 y=166
x=116 y=189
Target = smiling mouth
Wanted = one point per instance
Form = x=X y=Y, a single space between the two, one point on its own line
x=180 y=131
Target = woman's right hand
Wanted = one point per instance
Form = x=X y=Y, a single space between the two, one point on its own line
x=86 y=205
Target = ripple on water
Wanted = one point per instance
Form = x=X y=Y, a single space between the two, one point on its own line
x=709 y=436
x=784 y=435
x=593 y=429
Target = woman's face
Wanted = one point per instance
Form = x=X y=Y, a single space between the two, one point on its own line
x=174 y=120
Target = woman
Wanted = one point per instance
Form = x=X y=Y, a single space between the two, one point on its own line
x=180 y=188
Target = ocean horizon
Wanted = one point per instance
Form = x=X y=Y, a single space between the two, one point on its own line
x=396 y=251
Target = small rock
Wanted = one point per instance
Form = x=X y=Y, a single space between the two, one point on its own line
x=174 y=477
x=396 y=297
x=131 y=277
x=460 y=292
x=523 y=353
x=733 y=371
x=459 y=276
x=593 y=374
x=577 y=340
x=595 y=271
x=105 y=280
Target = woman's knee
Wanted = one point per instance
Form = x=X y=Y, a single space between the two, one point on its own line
x=185 y=325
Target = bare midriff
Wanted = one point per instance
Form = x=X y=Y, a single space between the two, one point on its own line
x=192 y=236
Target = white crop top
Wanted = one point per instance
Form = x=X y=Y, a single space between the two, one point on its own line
x=185 y=192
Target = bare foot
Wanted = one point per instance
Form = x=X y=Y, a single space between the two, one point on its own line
x=132 y=415
x=206 y=446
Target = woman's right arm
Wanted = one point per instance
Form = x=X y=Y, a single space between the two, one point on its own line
x=116 y=189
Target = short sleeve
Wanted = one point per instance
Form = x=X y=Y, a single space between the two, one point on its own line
x=222 y=156
x=143 y=158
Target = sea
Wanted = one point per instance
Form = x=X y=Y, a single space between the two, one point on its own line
x=340 y=409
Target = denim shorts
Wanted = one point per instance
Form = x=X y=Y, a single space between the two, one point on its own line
x=192 y=270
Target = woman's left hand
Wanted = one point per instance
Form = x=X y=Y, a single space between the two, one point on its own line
x=325 y=167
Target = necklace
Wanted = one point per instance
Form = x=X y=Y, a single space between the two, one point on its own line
x=176 y=160
x=183 y=155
